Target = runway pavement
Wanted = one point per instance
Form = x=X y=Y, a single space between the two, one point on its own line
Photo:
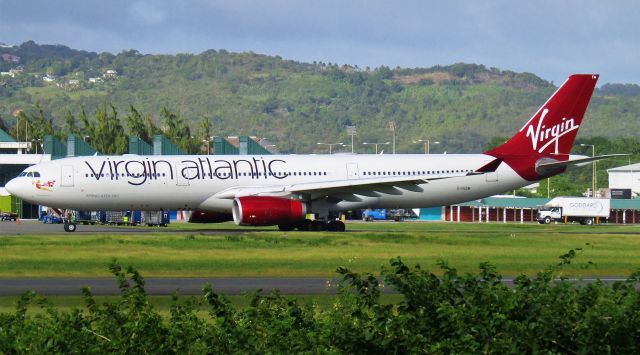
x=161 y=286
x=35 y=227
x=27 y=227
x=193 y=286
x=167 y=286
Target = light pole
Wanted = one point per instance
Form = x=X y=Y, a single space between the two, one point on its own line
x=351 y=130
x=330 y=145
x=593 y=176
x=392 y=128
x=37 y=142
x=426 y=143
x=376 y=144
x=208 y=142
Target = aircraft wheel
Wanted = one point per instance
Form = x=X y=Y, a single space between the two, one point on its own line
x=336 y=226
x=70 y=227
x=304 y=225
x=286 y=227
x=317 y=226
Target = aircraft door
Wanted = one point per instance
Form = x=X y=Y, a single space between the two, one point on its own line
x=352 y=171
x=491 y=177
x=66 y=178
x=181 y=171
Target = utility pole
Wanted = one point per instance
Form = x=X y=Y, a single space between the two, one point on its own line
x=426 y=143
x=376 y=144
x=392 y=128
x=593 y=176
x=331 y=145
x=351 y=130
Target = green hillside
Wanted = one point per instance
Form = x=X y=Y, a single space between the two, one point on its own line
x=298 y=104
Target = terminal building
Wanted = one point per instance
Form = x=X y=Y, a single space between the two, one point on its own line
x=14 y=158
x=625 y=178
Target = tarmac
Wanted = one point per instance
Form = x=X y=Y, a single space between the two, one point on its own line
x=165 y=286
x=153 y=286
x=31 y=226
x=168 y=286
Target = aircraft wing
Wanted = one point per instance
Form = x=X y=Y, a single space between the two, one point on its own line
x=341 y=190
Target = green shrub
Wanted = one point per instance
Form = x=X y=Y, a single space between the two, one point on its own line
x=452 y=313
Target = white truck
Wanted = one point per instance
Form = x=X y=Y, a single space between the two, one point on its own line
x=585 y=210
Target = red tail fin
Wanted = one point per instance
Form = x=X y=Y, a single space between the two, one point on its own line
x=552 y=129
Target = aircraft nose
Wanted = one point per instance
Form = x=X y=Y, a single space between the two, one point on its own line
x=13 y=187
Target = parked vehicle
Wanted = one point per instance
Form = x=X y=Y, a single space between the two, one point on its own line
x=8 y=216
x=585 y=210
x=400 y=215
x=370 y=215
x=155 y=218
x=88 y=217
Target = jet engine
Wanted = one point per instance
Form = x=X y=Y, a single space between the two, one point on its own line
x=267 y=211
x=199 y=216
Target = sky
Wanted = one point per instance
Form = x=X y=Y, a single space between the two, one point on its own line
x=551 y=39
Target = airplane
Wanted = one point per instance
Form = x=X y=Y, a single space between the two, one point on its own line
x=284 y=190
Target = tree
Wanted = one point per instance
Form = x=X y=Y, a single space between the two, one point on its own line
x=140 y=125
x=3 y=125
x=106 y=133
x=204 y=132
x=177 y=130
x=70 y=124
x=32 y=125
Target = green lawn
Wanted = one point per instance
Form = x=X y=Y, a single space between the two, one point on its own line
x=191 y=250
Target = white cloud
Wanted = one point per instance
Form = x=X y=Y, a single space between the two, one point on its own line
x=146 y=12
x=548 y=38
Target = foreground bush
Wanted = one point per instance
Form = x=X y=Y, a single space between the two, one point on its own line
x=452 y=313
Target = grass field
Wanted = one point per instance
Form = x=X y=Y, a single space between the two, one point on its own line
x=196 y=252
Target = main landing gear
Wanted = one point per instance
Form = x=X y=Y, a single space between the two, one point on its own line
x=315 y=225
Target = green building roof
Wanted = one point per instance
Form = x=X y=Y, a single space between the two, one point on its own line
x=625 y=204
x=508 y=202
x=5 y=137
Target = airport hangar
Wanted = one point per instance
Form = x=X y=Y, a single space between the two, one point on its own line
x=15 y=157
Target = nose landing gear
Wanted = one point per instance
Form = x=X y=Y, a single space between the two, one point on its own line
x=69 y=221
x=69 y=226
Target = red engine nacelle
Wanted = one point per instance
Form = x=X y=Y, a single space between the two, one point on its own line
x=199 y=216
x=267 y=211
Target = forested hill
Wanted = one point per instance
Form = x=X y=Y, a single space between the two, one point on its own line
x=298 y=104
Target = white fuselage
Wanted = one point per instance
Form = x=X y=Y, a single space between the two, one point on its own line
x=132 y=182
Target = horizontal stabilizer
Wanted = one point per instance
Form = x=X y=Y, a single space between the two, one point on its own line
x=547 y=165
x=490 y=167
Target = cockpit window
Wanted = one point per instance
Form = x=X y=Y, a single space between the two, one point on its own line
x=36 y=174
x=30 y=174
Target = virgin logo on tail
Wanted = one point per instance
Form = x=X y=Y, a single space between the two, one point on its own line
x=550 y=132
x=551 y=135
